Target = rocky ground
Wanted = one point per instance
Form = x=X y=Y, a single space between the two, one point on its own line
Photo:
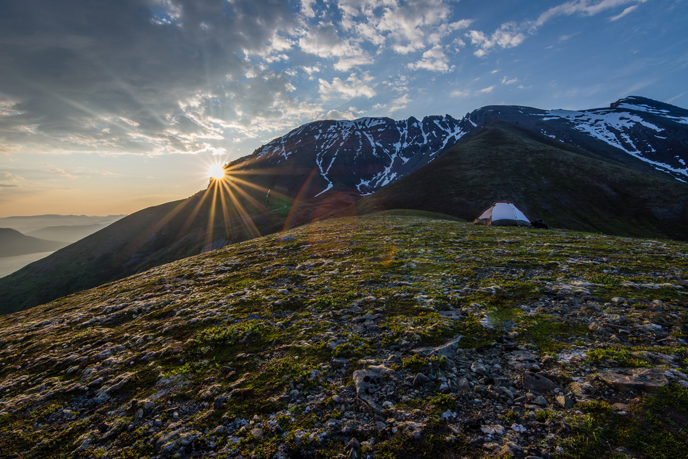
x=380 y=337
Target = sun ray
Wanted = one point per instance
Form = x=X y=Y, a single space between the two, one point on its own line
x=209 y=231
x=259 y=188
x=225 y=215
x=189 y=221
x=249 y=198
x=297 y=199
x=243 y=215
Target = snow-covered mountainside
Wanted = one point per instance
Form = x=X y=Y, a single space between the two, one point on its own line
x=367 y=153
x=363 y=155
x=653 y=132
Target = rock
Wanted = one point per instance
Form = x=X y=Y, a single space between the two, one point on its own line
x=447 y=349
x=354 y=449
x=463 y=385
x=479 y=368
x=412 y=429
x=219 y=401
x=367 y=383
x=620 y=407
x=420 y=380
x=538 y=383
x=287 y=239
x=634 y=378
x=486 y=322
x=258 y=433
x=493 y=430
x=597 y=329
x=565 y=401
x=518 y=428
x=523 y=360
x=541 y=401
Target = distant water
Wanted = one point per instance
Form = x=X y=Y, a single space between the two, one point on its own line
x=8 y=265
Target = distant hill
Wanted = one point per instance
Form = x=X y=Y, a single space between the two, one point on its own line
x=28 y=224
x=66 y=233
x=13 y=243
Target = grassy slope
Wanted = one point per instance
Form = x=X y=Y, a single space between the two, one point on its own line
x=566 y=187
x=260 y=316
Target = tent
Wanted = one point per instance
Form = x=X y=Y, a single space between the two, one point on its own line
x=502 y=213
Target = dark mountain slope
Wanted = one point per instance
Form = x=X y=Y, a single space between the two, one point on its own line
x=13 y=243
x=569 y=188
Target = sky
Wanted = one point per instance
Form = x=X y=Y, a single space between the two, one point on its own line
x=109 y=107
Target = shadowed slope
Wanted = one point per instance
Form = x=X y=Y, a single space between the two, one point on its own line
x=568 y=187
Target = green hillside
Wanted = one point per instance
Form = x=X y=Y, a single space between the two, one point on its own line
x=567 y=187
x=417 y=337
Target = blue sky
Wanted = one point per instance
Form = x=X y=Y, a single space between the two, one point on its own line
x=112 y=109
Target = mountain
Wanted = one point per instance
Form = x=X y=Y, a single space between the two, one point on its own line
x=591 y=166
x=67 y=233
x=364 y=155
x=14 y=243
x=435 y=338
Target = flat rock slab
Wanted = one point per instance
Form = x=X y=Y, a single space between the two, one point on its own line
x=447 y=349
x=634 y=378
x=523 y=360
x=538 y=383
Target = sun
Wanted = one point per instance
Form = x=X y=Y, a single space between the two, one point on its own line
x=216 y=171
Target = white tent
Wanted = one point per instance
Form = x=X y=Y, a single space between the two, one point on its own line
x=502 y=213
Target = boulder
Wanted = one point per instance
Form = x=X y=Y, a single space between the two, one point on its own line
x=634 y=378
x=537 y=382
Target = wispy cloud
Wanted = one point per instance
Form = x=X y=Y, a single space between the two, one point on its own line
x=349 y=89
x=61 y=172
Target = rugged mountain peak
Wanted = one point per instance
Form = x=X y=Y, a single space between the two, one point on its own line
x=361 y=155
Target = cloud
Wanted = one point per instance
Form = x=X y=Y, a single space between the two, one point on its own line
x=117 y=77
x=307 y=8
x=9 y=177
x=346 y=64
x=582 y=7
x=507 y=81
x=628 y=10
x=61 y=172
x=434 y=60
x=511 y=34
x=399 y=103
x=507 y=36
x=404 y=27
x=486 y=90
x=349 y=89
x=460 y=93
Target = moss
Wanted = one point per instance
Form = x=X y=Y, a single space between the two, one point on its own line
x=654 y=428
